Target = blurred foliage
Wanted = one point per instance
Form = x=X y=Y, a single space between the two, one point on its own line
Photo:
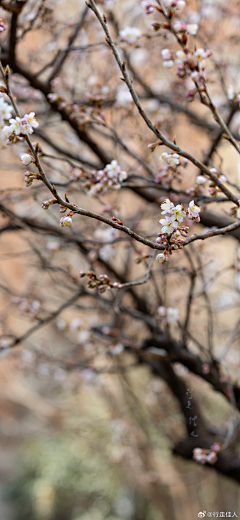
x=61 y=478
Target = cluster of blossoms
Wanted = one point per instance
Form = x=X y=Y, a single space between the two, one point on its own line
x=102 y=282
x=171 y=232
x=168 y=165
x=170 y=314
x=5 y=112
x=111 y=177
x=18 y=126
x=129 y=34
x=25 y=307
x=201 y=181
x=204 y=456
x=189 y=63
x=169 y=159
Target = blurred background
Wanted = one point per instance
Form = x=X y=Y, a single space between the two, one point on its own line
x=86 y=431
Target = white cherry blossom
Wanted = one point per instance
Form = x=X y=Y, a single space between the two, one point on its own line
x=167 y=207
x=193 y=210
x=200 y=54
x=168 y=225
x=178 y=213
x=31 y=120
x=5 y=111
x=8 y=131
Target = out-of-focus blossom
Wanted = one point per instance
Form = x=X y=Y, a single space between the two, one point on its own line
x=147 y=7
x=130 y=34
x=177 y=5
x=172 y=159
x=111 y=177
x=192 y=28
x=172 y=315
x=168 y=64
x=200 y=179
x=166 y=54
x=123 y=96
